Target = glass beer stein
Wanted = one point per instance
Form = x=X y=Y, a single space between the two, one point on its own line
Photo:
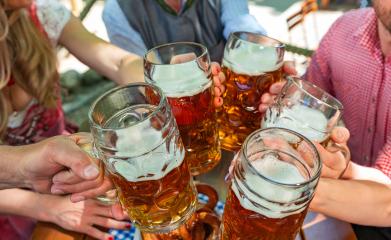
x=307 y=109
x=251 y=63
x=182 y=71
x=273 y=182
x=136 y=136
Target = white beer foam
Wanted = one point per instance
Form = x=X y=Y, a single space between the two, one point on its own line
x=141 y=152
x=279 y=171
x=155 y=164
x=252 y=59
x=307 y=121
x=179 y=80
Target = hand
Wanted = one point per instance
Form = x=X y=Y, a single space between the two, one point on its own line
x=83 y=217
x=48 y=165
x=268 y=98
x=218 y=80
x=334 y=162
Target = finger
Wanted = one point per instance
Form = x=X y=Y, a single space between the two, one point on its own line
x=215 y=67
x=217 y=91
x=118 y=212
x=216 y=81
x=109 y=223
x=95 y=233
x=267 y=98
x=289 y=68
x=92 y=192
x=263 y=108
x=329 y=159
x=276 y=87
x=110 y=210
x=81 y=138
x=65 y=152
x=182 y=58
x=218 y=101
x=340 y=135
x=222 y=77
x=67 y=177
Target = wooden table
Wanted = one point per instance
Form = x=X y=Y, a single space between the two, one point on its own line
x=316 y=226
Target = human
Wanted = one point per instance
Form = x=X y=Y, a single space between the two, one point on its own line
x=352 y=62
x=140 y=25
x=30 y=105
x=40 y=168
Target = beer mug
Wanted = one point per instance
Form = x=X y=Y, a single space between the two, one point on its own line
x=251 y=63
x=307 y=109
x=273 y=182
x=136 y=137
x=182 y=71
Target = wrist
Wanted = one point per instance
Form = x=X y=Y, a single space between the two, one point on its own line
x=45 y=208
x=11 y=163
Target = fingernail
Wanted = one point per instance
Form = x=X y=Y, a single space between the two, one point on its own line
x=77 y=198
x=128 y=225
x=110 y=238
x=57 y=191
x=91 y=171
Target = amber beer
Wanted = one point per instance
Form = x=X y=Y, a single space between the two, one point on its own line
x=188 y=87
x=195 y=116
x=251 y=63
x=271 y=187
x=158 y=202
x=136 y=136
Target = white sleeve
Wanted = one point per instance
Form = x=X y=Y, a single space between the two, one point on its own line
x=53 y=16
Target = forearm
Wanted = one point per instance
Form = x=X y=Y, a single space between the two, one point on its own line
x=358 y=172
x=107 y=59
x=359 y=202
x=21 y=202
x=10 y=176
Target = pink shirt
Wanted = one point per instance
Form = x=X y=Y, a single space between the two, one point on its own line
x=350 y=65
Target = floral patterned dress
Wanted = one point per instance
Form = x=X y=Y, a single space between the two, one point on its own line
x=36 y=122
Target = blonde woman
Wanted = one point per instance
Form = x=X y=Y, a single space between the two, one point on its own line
x=30 y=106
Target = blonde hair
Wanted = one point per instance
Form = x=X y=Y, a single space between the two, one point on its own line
x=27 y=56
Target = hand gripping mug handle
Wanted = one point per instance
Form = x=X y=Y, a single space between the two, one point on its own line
x=344 y=149
x=111 y=196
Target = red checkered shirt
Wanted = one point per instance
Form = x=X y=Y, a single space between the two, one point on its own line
x=350 y=65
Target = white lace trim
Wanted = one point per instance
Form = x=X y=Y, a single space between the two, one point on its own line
x=53 y=16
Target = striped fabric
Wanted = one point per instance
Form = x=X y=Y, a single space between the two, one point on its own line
x=350 y=65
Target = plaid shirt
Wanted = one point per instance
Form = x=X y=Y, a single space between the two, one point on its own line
x=350 y=65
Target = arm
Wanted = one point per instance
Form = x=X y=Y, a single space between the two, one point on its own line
x=60 y=210
x=119 y=30
x=359 y=202
x=10 y=176
x=235 y=16
x=109 y=60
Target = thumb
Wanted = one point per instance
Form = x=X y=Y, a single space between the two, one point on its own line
x=340 y=135
x=68 y=154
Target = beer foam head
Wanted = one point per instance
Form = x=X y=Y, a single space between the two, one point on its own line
x=141 y=151
x=309 y=122
x=178 y=80
x=279 y=171
x=275 y=198
x=252 y=59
